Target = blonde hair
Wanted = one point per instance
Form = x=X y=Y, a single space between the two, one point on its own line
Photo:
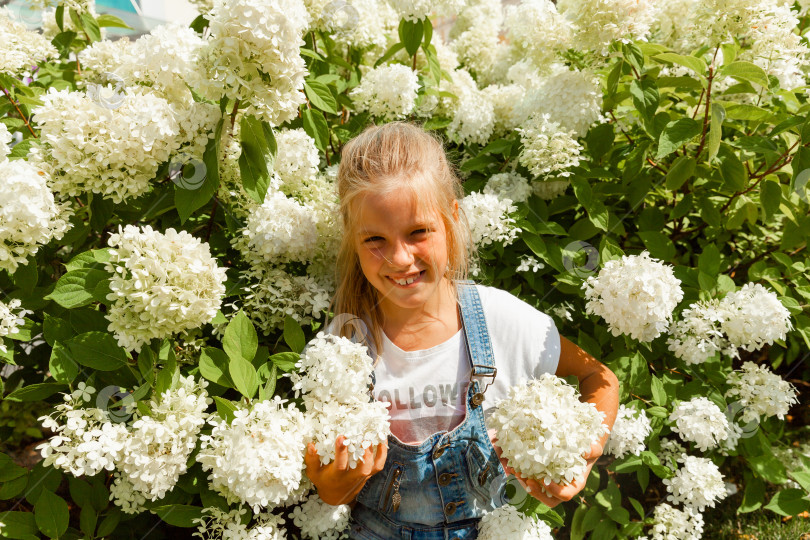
x=379 y=160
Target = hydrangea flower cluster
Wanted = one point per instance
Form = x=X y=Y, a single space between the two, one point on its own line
x=332 y=367
x=85 y=441
x=157 y=449
x=296 y=163
x=273 y=294
x=631 y=428
x=355 y=23
x=543 y=429
x=490 y=219
x=320 y=521
x=473 y=115
x=505 y=100
x=20 y=48
x=601 y=22
x=700 y=421
x=550 y=189
x=669 y=451
x=10 y=320
x=635 y=295
x=162 y=283
x=335 y=386
x=509 y=185
x=547 y=149
x=537 y=31
x=508 y=522
x=387 y=92
x=756 y=317
x=29 y=215
x=529 y=263
x=475 y=35
x=672 y=524
x=5 y=140
x=124 y=495
x=281 y=230
x=253 y=56
x=699 y=334
x=419 y=9
x=218 y=524
x=257 y=459
x=112 y=148
x=761 y=392
x=697 y=483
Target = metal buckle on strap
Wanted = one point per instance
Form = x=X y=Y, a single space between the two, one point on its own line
x=492 y=375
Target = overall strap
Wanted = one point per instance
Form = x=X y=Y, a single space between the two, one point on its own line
x=479 y=345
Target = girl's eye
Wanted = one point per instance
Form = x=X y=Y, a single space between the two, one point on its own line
x=420 y=231
x=372 y=239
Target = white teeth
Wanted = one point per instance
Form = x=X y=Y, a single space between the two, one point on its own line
x=407 y=281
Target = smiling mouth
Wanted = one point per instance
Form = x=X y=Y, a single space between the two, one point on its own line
x=408 y=280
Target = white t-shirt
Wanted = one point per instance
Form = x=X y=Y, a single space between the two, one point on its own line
x=427 y=388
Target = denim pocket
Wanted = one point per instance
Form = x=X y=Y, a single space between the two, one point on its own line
x=480 y=470
x=390 y=496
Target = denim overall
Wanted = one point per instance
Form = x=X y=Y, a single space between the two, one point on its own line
x=439 y=489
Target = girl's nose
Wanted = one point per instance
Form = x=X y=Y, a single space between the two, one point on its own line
x=401 y=255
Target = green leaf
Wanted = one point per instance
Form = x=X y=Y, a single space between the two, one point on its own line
x=770 y=197
x=111 y=21
x=716 y=129
x=225 y=408
x=20 y=525
x=676 y=134
x=51 y=514
x=745 y=71
x=320 y=96
x=732 y=170
x=75 y=288
x=394 y=49
x=88 y=519
x=695 y=64
x=214 y=366
x=294 y=335
x=659 y=245
x=109 y=523
x=789 y=502
x=244 y=377
x=769 y=467
x=97 y=350
x=187 y=201
x=316 y=127
x=410 y=34
x=659 y=394
x=645 y=97
x=597 y=212
x=10 y=470
x=91 y=27
x=241 y=340
x=267 y=391
x=285 y=361
x=179 y=515
x=682 y=170
x=253 y=164
x=36 y=392
x=744 y=111
x=26 y=277
x=63 y=368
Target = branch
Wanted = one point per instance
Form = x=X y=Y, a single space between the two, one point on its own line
x=706 y=113
x=24 y=119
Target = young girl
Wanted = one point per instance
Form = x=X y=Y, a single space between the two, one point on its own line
x=446 y=349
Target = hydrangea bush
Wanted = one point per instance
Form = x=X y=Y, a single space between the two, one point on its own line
x=168 y=231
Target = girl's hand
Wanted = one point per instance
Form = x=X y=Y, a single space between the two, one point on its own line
x=336 y=482
x=553 y=494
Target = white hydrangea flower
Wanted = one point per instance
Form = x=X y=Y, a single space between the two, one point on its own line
x=297 y=160
x=387 y=92
x=669 y=452
x=113 y=149
x=414 y=10
x=5 y=140
x=355 y=23
x=124 y=495
x=543 y=429
x=162 y=284
x=529 y=263
x=549 y=189
x=319 y=520
x=505 y=100
x=85 y=442
x=253 y=55
x=697 y=483
x=257 y=459
x=333 y=367
x=699 y=335
x=761 y=392
x=20 y=48
x=158 y=447
x=272 y=294
x=473 y=115
x=363 y=424
x=490 y=219
x=601 y=22
x=672 y=25
x=475 y=35
x=280 y=230
x=10 y=319
x=634 y=295
x=563 y=312
x=509 y=185
x=217 y=524
x=700 y=421
x=29 y=214
x=631 y=428
x=508 y=522
x=572 y=99
x=548 y=150
x=672 y=524
x=756 y=317
x=537 y=31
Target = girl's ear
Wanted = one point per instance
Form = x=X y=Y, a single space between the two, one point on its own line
x=455 y=209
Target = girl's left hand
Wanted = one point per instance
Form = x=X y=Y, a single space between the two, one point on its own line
x=553 y=494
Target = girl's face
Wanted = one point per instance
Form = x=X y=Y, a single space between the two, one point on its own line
x=402 y=250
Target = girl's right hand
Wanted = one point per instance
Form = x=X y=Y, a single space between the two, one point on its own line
x=336 y=482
